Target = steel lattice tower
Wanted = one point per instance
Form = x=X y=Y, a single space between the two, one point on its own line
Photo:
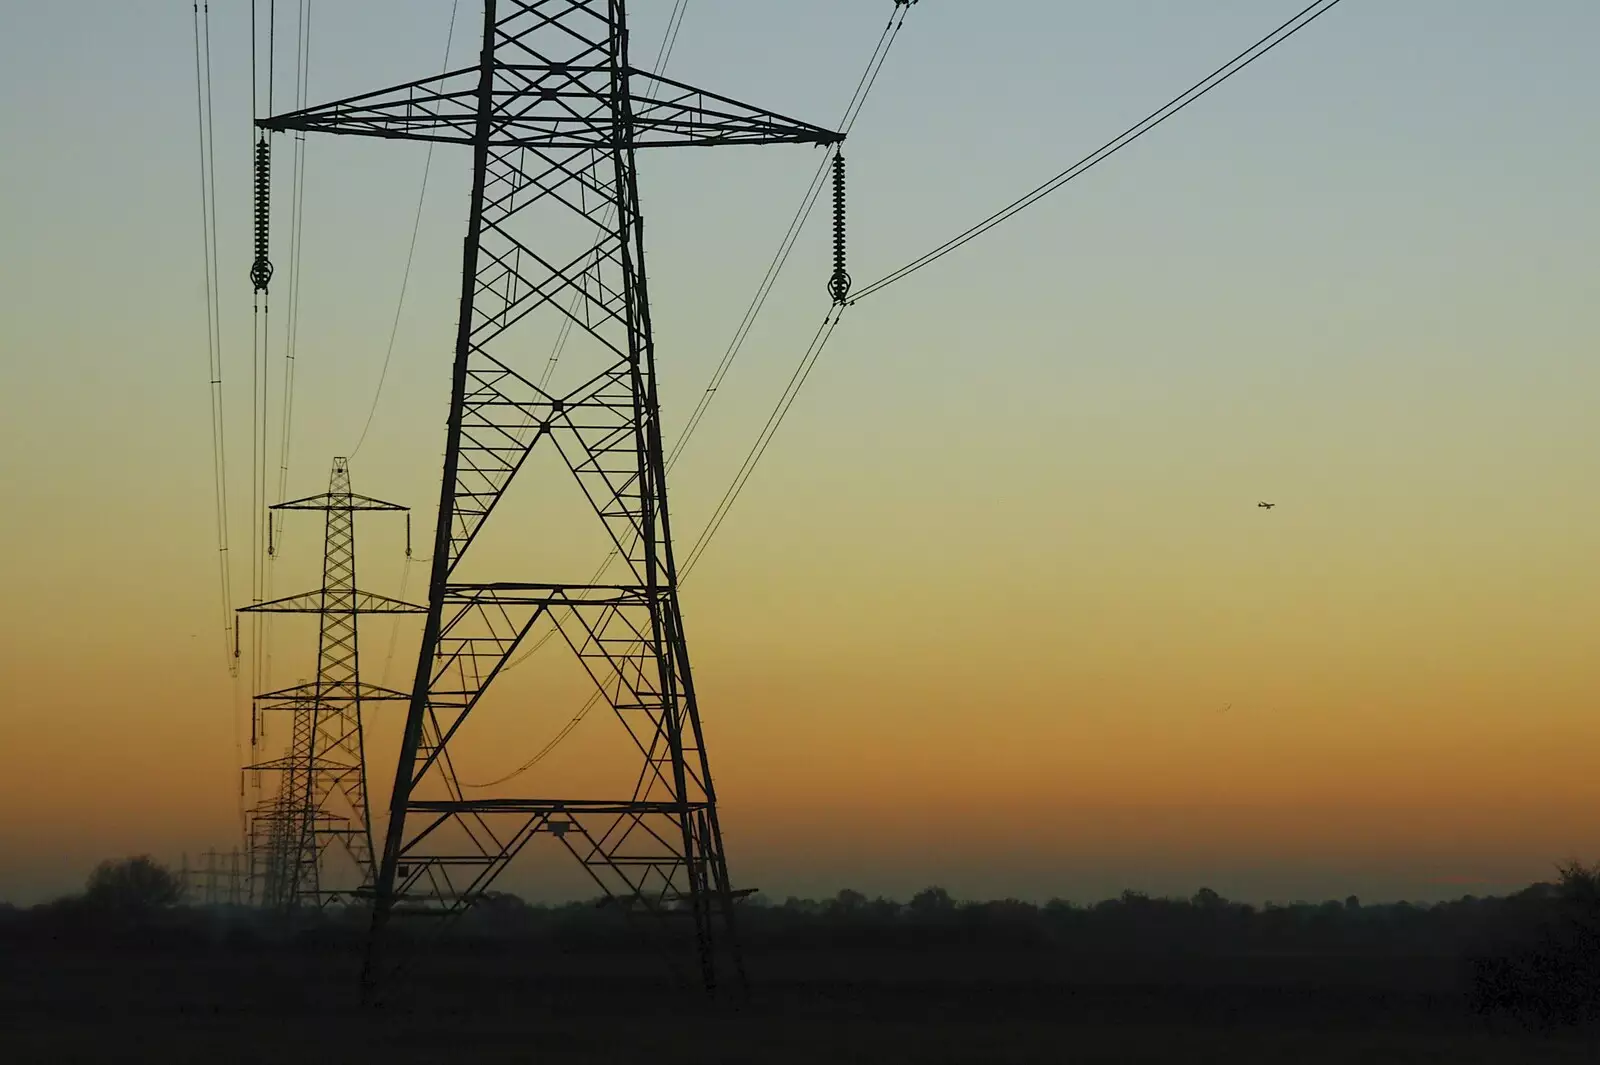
x=321 y=797
x=554 y=112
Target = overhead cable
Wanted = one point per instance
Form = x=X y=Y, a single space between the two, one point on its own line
x=1282 y=33
x=204 y=99
x=411 y=252
x=774 y=421
x=291 y=333
x=208 y=231
x=261 y=272
x=808 y=203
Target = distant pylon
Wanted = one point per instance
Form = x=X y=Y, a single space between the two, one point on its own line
x=321 y=794
x=552 y=112
x=221 y=883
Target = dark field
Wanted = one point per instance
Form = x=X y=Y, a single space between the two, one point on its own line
x=261 y=1003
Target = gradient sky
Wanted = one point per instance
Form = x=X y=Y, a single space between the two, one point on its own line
x=977 y=618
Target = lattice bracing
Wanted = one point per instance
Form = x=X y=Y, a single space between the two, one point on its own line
x=321 y=795
x=555 y=362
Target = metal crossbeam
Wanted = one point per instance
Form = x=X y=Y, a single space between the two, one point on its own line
x=544 y=104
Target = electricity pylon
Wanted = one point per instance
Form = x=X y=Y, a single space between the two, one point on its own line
x=554 y=112
x=321 y=797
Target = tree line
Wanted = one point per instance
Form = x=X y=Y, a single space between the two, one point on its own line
x=1535 y=953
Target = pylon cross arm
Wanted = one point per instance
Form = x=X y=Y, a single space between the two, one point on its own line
x=315 y=603
x=571 y=115
x=314 y=693
x=337 y=501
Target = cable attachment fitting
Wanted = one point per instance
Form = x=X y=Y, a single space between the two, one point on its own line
x=839 y=283
x=261 y=269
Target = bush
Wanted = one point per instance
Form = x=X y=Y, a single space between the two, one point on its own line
x=132 y=886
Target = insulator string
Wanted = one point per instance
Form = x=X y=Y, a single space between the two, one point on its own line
x=839 y=283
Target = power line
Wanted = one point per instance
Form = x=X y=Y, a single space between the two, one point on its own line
x=1282 y=33
x=272 y=50
x=808 y=202
x=204 y=111
x=797 y=381
x=825 y=332
x=411 y=252
x=566 y=730
x=255 y=78
x=208 y=230
x=291 y=335
x=297 y=231
x=669 y=40
x=260 y=355
x=394 y=630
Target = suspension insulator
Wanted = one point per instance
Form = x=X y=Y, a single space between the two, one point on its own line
x=839 y=283
x=261 y=268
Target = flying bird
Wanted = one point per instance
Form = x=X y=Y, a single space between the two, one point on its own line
x=1268 y=506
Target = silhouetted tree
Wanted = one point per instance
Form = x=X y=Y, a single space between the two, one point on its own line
x=848 y=903
x=795 y=904
x=1548 y=975
x=932 y=902
x=132 y=886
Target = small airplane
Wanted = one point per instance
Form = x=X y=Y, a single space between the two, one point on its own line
x=1268 y=506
